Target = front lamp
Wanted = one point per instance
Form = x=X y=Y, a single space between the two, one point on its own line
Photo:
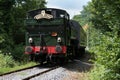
x=59 y=39
x=30 y=40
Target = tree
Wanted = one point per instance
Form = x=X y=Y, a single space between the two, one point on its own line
x=103 y=15
x=12 y=15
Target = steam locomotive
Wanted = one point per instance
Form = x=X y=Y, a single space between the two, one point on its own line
x=51 y=36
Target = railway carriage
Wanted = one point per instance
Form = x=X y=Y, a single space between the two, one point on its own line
x=51 y=36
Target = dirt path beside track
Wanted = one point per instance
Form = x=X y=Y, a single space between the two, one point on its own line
x=79 y=69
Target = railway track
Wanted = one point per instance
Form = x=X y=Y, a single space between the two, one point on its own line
x=86 y=63
x=38 y=74
x=17 y=70
x=26 y=73
x=34 y=72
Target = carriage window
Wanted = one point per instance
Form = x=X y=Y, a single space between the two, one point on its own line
x=61 y=15
x=48 y=12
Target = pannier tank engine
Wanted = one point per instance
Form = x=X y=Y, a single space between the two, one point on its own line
x=52 y=37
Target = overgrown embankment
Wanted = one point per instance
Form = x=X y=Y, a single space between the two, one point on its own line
x=7 y=63
x=12 y=31
x=103 y=37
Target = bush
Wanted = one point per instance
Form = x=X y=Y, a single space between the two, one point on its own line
x=13 y=58
x=18 y=53
x=97 y=73
x=107 y=56
x=6 y=61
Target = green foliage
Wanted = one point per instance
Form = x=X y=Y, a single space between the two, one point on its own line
x=17 y=67
x=98 y=73
x=1 y=39
x=6 y=61
x=103 y=37
x=18 y=53
x=107 y=55
x=85 y=15
x=105 y=14
x=12 y=15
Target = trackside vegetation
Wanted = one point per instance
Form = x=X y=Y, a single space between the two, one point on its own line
x=103 y=32
x=12 y=33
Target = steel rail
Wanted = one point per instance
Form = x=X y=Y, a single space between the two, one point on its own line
x=40 y=73
x=18 y=70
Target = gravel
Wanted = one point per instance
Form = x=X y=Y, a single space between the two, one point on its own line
x=77 y=70
x=22 y=74
x=57 y=74
x=72 y=71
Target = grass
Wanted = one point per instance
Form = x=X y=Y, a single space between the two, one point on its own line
x=8 y=69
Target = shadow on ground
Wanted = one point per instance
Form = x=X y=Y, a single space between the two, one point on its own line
x=81 y=64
